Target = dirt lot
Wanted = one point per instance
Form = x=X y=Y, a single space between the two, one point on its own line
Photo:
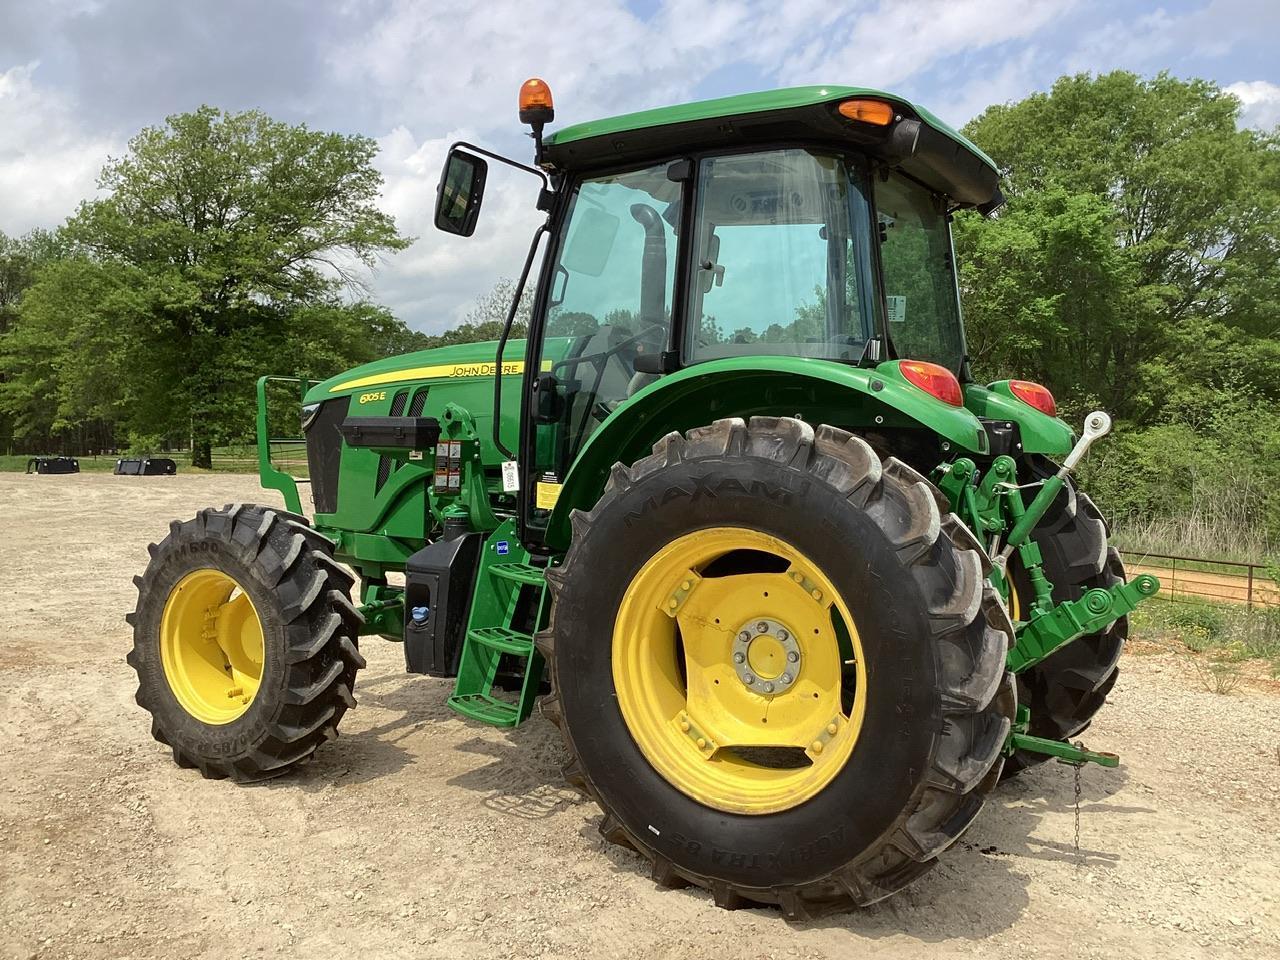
x=417 y=834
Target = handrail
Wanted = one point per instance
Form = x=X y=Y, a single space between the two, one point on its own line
x=268 y=475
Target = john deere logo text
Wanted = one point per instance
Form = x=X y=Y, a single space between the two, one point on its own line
x=485 y=369
x=370 y=397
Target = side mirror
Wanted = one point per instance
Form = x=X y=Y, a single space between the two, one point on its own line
x=460 y=192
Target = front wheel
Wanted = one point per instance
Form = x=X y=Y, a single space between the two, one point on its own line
x=244 y=641
x=778 y=666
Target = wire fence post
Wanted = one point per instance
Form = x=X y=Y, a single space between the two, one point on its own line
x=1200 y=579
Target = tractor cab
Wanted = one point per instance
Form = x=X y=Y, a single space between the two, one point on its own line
x=808 y=224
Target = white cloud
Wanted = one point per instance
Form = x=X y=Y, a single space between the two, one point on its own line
x=896 y=40
x=1163 y=40
x=1260 y=100
x=419 y=75
x=48 y=163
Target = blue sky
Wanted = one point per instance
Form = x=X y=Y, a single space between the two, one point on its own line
x=79 y=77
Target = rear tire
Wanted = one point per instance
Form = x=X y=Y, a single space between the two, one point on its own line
x=1066 y=690
x=292 y=689
x=938 y=703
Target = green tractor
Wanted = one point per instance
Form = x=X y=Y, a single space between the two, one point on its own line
x=796 y=590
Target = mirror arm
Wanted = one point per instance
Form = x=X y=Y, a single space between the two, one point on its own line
x=546 y=181
x=506 y=334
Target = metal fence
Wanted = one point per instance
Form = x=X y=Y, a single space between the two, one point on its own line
x=1196 y=579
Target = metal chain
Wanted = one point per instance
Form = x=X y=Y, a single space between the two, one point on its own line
x=1079 y=858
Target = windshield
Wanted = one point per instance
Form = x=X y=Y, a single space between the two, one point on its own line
x=781 y=262
x=611 y=290
x=919 y=276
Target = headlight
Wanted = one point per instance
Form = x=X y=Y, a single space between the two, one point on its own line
x=309 y=411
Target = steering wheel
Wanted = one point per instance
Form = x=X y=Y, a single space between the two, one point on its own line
x=649 y=335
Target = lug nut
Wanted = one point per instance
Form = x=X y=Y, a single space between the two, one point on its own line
x=762 y=627
x=793 y=656
x=832 y=728
x=738 y=658
x=782 y=635
x=744 y=636
x=748 y=679
x=816 y=746
x=768 y=688
x=786 y=678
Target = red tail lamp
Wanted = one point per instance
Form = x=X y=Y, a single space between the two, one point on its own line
x=934 y=380
x=1034 y=395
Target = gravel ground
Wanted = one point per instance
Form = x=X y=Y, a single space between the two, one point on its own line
x=418 y=834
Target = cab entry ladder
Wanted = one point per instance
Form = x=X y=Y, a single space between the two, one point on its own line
x=508 y=607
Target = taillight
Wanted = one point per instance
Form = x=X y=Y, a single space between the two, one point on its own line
x=1034 y=395
x=934 y=380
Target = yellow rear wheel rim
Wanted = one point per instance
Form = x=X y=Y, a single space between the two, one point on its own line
x=211 y=646
x=736 y=685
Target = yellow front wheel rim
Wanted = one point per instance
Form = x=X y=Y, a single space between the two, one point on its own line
x=211 y=646
x=739 y=670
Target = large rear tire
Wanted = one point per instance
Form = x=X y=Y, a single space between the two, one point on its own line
x=244 y=641
x=1066 y=690
x=867 y=601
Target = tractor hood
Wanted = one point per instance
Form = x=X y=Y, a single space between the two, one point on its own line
x=461 y=361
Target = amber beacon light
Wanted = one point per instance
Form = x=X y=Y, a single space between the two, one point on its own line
x=875 y=112
x=536 y=105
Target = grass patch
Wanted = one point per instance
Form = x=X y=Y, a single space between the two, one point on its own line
x=1194 y=535
x=1224 y=633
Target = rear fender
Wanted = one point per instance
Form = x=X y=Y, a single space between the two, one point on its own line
x=816 y=391
x=1039 y=432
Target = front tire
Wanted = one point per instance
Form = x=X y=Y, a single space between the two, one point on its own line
x=244 y=641
x=771 y=517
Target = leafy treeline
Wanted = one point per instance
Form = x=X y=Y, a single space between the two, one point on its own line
x=1134 y=267
x=225 y=246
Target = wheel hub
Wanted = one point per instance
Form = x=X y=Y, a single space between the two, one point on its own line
x=211 y=646
x=742 y=683
x=766 y=657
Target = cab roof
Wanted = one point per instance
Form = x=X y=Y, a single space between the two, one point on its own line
x=917 y=141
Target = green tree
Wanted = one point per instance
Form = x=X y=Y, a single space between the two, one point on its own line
x=20 y=259
x=1139 y=220
x=227 y=246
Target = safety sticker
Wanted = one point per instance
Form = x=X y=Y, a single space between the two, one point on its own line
x=547 y=494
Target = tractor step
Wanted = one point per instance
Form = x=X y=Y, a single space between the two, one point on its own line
x=508 y=606
x=486 y=709
x=500 y=638
x=518 y=573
